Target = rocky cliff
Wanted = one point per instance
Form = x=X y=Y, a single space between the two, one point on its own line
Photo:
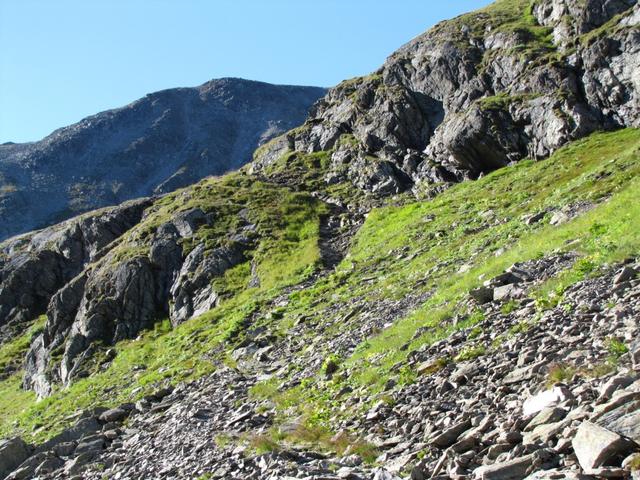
x=164 y=141
x=347 y=305
x=514 y=80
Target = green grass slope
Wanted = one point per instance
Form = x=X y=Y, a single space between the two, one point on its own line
x=412 y=249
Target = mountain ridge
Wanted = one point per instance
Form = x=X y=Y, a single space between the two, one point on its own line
x=156 y=144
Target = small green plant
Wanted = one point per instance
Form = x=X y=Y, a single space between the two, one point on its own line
x=388 y=400
x=475 y=333
x=498 y=341
x=601 y=369
x=560 y=373
x=520 y=327
x=584 y=266
x=435 y=366
x=264 y=390
x=616 y=348
x=407 y=376
x=508 y=307
x=331 y=364
x=223 y=440
x=470 y=352
x=263 y=444
x=634 y=464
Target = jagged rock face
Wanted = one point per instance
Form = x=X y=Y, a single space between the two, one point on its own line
x=117 y=297
x=163 y=141
x=192 y=294
x=570 y=19
x=478 y=92
x=35 y=266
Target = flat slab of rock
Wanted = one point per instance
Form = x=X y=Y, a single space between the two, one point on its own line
x=624 y=420
x=546 y=416
x=450 y=435
x=596 y=446
x=506 y=292
x=523 y=373
x=517 y=468
x=542 y=434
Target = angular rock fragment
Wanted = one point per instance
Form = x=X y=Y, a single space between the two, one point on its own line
x=517 y=468
x=12 y=453
x=596 y=446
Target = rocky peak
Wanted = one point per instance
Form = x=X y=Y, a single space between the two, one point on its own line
x=161 y=142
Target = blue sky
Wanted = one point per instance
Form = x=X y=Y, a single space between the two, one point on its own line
x=63 y=60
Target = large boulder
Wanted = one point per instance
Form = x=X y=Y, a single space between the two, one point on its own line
x=596 y=446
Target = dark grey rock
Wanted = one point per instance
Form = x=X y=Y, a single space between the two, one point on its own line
x=624 y=420
x=41 y=263
x=421 y=118
x=482 y=294
x=627 y=273
x=114 y=415
x=449 y=436
x=12 y=453
x=82 y=428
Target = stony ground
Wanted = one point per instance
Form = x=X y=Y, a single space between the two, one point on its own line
x=550 y=394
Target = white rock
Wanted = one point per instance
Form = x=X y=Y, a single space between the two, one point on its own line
x=545 y=399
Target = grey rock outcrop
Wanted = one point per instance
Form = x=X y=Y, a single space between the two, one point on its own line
x=477 y=93
x=126 y=291
x=166 y=140
x=12 y=453
x=33 y=267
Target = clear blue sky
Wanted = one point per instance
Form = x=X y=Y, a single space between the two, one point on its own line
x=65 y=59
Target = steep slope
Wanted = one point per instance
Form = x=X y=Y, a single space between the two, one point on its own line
x=377 y=359
x=341 y=304
x=164 y=141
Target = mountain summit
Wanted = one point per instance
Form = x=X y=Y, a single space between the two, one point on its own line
x=164 y=141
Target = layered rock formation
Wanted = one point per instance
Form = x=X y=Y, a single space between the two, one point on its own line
x=34 y=266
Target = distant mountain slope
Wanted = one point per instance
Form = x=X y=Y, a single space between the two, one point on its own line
x=163 y=141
